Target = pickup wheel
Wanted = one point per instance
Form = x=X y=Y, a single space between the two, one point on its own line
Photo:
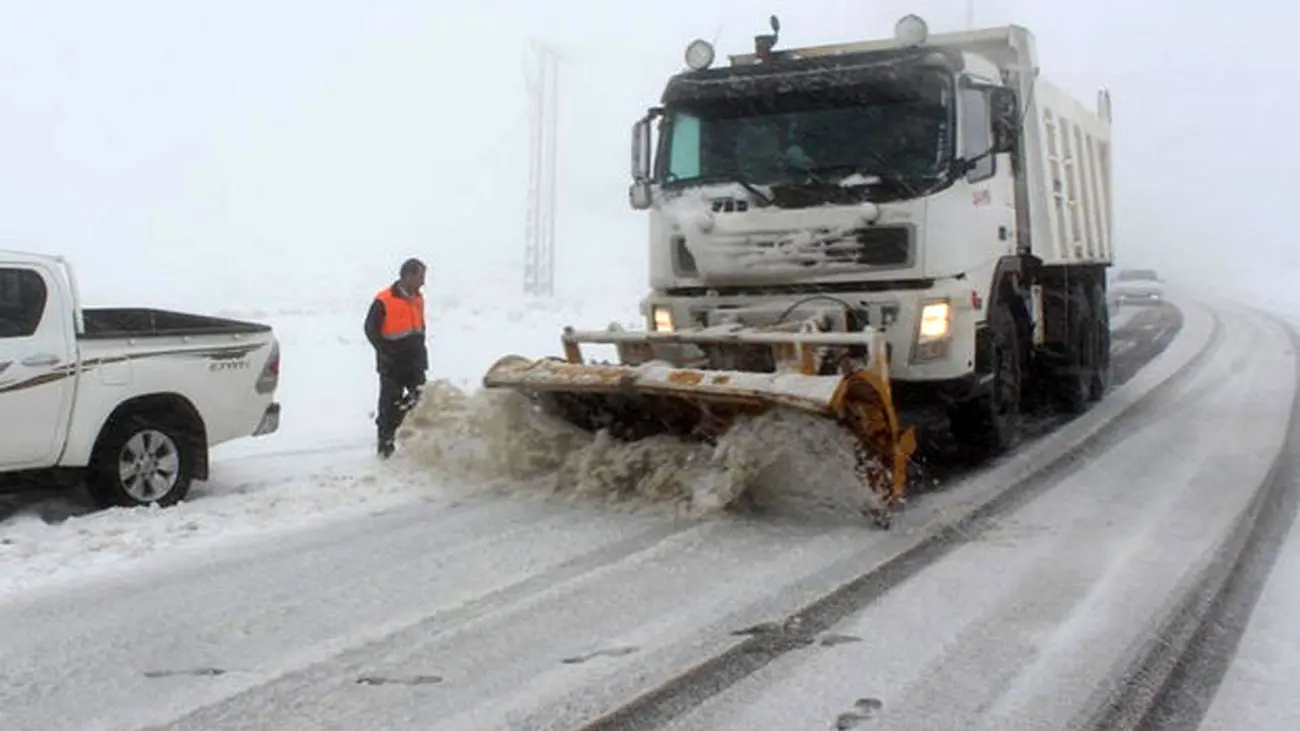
x=141 y=460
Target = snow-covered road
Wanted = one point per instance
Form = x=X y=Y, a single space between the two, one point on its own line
x=1025 y=625
x=483 y=613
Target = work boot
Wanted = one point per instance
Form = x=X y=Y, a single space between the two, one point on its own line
x=410 y=400
x=386 y=448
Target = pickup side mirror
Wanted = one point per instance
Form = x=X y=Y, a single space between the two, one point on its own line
x=1005 y=114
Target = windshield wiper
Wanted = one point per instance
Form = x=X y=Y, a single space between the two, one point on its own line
x=740 y=180
x=866 y=171
x=736 y=178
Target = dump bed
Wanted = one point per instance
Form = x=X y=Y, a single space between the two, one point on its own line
x=1067 y=149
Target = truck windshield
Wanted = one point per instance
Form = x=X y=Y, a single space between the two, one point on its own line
x=795 y=138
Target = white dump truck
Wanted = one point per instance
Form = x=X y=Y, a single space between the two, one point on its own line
x=875 y=231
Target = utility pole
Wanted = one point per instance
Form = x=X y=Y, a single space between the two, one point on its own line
x=539 y=225
x=970 y=14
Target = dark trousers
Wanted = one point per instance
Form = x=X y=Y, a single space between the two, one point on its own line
x=394 y=391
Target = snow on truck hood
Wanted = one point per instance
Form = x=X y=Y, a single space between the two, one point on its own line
x=818 y=238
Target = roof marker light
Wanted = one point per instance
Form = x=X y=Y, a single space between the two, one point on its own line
x=911 y=30
x=699 y=55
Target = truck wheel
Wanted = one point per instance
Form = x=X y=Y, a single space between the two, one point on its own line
x=141 y=461
x=990 y=424
x=1100 y=381
x=1076 y=376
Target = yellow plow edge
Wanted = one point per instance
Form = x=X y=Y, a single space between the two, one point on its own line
x=649 y=394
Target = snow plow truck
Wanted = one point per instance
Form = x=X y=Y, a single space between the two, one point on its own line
x=876 y=232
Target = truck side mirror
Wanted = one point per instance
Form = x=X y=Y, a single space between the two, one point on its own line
x=641 y=150
x=638 y=195
x=1005 y=118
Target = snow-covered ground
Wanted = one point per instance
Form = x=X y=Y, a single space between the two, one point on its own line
x=1262 y=681
x=425 y=563
x=1260 y=687
x=1083 y=574
x=313 y=480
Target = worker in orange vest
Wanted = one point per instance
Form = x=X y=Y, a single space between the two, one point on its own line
x=395 y=327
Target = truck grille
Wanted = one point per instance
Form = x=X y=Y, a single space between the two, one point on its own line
x=854 y=249
x=883 y=246
x=878 y=247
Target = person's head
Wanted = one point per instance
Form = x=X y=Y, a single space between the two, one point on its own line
x=412 y=275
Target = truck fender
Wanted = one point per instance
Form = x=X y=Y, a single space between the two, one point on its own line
x=1012 y=277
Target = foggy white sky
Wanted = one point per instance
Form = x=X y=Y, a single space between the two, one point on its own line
x=206 y=156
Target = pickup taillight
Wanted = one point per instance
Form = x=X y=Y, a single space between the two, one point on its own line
x=270 y=377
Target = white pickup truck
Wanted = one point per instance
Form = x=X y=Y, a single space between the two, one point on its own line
x=129 y=399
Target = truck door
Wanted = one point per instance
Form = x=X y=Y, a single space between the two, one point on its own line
x=37 y=366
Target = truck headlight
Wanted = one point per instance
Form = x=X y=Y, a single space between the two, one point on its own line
x=936 y=322
x=933 y=333
x=662 y=320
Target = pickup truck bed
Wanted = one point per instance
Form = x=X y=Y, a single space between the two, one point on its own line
x=135 y=322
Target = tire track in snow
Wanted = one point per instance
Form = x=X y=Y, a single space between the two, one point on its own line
x=495 y=650
x=596 y=547
x=1019 y=625
x=688 y=690
x=1171 y=683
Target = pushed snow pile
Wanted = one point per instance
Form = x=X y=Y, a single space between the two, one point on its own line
x=783 y=460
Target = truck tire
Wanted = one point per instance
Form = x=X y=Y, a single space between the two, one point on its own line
x=1074 y=382
x=141 y=460
x=990 y=425
x=1100 y=381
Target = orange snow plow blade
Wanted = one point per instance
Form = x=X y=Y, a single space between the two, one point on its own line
x=650 y=394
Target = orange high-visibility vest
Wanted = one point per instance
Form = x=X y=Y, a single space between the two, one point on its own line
x=402 y=317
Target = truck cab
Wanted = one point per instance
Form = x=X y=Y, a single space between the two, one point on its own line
x=914 y=184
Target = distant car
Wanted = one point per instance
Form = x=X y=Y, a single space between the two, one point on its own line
x=1137 y=286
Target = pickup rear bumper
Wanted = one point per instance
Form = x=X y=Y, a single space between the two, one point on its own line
x=270 y=421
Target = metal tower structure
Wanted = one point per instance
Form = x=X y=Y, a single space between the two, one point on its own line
x=540 y=78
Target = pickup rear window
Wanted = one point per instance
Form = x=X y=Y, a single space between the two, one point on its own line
x=22 y=302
